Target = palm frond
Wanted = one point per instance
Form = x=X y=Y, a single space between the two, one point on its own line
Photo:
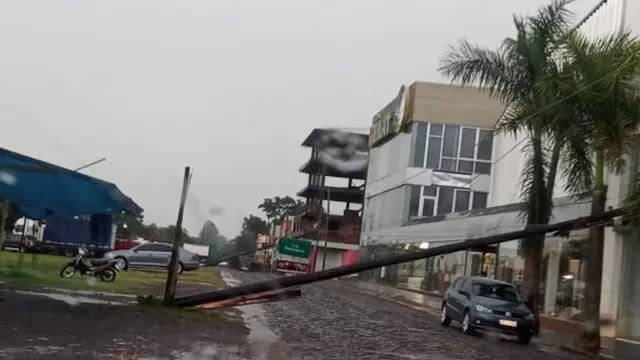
x=468 y=64
x=552 y=21
x=576 y=163
x=609 y=67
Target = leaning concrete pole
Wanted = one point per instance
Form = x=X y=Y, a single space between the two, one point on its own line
x=172 y=276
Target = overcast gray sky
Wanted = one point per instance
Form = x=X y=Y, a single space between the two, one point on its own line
x=229 y=87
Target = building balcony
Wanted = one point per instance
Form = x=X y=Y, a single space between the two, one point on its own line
x=314 y=166
x=352 y=195
x=336 y=236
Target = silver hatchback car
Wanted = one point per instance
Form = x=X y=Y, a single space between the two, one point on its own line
x=153 y=256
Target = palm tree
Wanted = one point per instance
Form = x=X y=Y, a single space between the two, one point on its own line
x=599 y=79
x=518 y=73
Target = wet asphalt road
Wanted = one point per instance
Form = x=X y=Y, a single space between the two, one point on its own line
x=335 y=321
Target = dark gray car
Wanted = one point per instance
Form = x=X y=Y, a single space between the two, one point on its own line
x=154 y=256
x=481 y=303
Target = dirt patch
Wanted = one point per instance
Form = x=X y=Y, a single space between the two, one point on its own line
x=36 y=326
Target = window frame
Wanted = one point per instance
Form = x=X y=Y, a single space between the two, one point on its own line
x=435 y=198
x=458 y=156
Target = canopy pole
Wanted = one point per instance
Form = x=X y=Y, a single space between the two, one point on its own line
x=21 y=247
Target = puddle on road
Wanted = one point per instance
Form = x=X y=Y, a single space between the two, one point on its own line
x=91 y=293
x=72 y=300
x=260 y=337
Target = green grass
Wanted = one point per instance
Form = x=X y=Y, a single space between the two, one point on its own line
x=45 y=272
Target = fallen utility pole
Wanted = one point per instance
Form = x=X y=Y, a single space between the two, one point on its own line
x=289 y=281
x=172 y=276
x=269 y=296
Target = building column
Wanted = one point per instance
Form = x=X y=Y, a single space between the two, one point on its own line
x=551 y=281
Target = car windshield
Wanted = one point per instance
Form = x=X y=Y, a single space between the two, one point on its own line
x=496 y=291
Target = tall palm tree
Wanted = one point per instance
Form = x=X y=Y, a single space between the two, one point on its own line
x=517 y=73
x=600 y=80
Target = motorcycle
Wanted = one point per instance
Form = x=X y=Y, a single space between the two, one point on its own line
x=104 y=269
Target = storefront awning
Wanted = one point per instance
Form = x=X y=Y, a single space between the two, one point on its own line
x=40 y=189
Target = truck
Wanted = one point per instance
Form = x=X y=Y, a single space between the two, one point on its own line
x=63 y=235
x=292 y=256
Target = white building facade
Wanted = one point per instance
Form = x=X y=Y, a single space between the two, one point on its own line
x=563 y=284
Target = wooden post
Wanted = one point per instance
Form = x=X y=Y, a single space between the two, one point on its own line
x=172 y=276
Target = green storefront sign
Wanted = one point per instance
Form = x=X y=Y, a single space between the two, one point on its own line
x=295 y=248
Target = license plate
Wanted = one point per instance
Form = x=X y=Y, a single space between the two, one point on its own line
x=509 y=323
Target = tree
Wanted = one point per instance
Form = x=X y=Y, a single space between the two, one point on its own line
x=515 y=74
x=166 y=234
x=209 y=234
x=129 y=226
x=255 y=225
x=609 y=115
x=277 y=208
x=246 y=241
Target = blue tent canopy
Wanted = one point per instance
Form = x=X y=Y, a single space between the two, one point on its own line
x=40 y=190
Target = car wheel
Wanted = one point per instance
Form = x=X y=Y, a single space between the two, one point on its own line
x=180 y=268
x=467 y=328
x=121 y=263
x=445 y=320
x=524 y=338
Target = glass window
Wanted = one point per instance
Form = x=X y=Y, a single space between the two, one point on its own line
x=436 y=129
x=421 y=142
x=145 y=247
x=429 y=191
x=462 y=284
x=479 y=200
x=414 y=201
x=483 y=167
x=468 y=143
x=162 y=247
x=465 y=166
x=456 y=284
x=445 y=200
x=433 y=153
x=427 y=207
x=448 y=164
x=485 y=143
x=495 y=291
x=450 y=147
x=462 y=200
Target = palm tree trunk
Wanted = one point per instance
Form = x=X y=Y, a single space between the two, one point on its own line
x=590 y=339
x=538 y=214
x=551 y=176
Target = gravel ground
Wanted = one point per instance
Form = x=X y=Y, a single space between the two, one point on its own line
x=334 y=321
